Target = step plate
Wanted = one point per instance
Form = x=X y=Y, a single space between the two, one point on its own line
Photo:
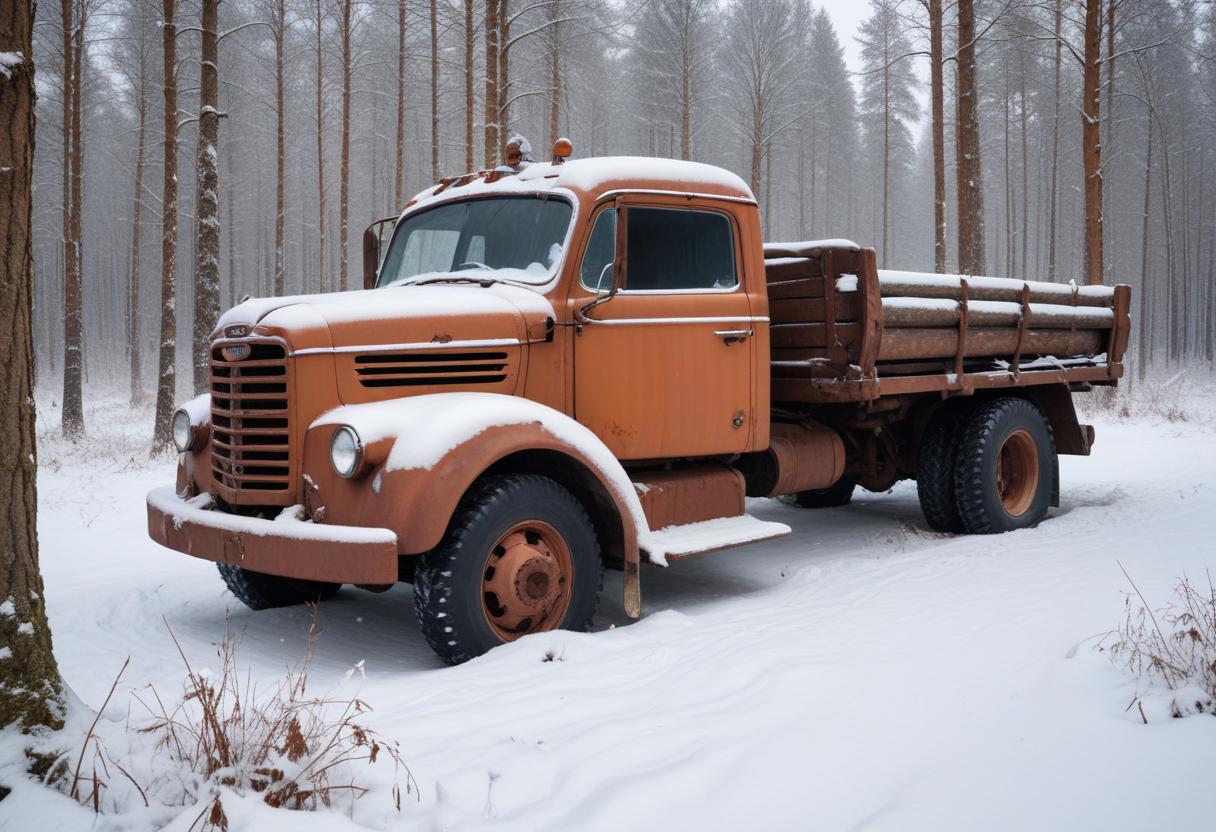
x=679 y=542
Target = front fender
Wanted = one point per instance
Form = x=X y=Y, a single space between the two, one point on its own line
x=422 y=454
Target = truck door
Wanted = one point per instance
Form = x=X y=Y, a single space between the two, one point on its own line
x=664 y=367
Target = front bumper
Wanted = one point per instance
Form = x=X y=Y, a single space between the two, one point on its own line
x=286 y=547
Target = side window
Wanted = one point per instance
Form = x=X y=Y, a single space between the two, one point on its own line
x=671 y=249
x=596 y=271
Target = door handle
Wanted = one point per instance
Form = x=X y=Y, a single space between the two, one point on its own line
x=733 y=336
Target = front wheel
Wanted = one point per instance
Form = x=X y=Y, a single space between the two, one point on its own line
x=520 y=556
x=1004 y=468
x=260 y=591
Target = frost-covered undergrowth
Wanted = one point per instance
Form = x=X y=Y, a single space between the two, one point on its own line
x=1171 y=650
x=863 y=672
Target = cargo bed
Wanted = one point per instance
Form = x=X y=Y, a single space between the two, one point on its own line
x=843 y=331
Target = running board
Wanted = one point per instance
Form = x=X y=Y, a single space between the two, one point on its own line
x=679 y=542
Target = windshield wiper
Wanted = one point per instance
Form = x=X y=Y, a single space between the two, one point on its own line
x=482 y=281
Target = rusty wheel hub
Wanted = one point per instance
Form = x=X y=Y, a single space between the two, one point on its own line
x=1017 y=472
x=526 y=578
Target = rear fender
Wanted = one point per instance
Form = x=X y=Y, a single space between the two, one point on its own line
x=421 y=454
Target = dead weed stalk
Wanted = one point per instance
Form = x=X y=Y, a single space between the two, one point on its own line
x=1174 y=646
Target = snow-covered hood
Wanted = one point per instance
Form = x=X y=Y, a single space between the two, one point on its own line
x=438 y=313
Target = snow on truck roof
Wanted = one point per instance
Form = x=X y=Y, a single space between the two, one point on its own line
x=600 y=175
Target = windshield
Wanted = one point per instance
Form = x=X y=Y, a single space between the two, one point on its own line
x=517 y=238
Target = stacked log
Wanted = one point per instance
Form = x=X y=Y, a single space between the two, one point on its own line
x=924 y=316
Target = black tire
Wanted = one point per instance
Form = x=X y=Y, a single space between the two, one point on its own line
x=840 y=494
x=935 y=471
x=259 y=591
x=1007 y=425
x=450 y=602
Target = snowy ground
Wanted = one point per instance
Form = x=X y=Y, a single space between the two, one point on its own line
x=862 y=674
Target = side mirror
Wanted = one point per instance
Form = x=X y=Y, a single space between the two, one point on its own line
x=373 y=249
x=602 y=294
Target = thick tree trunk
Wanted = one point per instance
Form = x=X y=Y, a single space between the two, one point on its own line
x=207 y=201
x=166 y=386
x=280 y=192
x=31 y=694
x=937 y=105
x=1091 y=141
x=319 y=20
x=136 y=225
x=970 y=173
x=491 y=92
x=344 y=173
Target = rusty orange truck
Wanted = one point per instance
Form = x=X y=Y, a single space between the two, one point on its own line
x=563 y=366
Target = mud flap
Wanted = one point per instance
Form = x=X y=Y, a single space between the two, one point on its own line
x=1055 y=482
x=633 y=588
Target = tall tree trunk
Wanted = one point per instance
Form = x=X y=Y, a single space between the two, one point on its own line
x=1054 y=201
x=491 y=93
x=166 y=385
x=73 y=324
x=555 y=71
x=136 y=226
x=886 y=157
x=1108 y=142
x=469 y=107
x=344 y=172
x=207 y=200
x=1091 y=141
x=1025 y=168
x=399 y=160
x=1145 y=337
x=937 y=106
x=970 y=173
x=31 y=694
x=686 y=62
x=280 y=135
x=321 y=277
x=435 y=90
x=503 y=106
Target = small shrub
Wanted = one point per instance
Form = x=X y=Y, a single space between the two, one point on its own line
x=295 y=750
x=1171 y=648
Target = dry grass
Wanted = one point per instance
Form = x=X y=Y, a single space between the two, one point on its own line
x=1173 y=647
x=297 y=751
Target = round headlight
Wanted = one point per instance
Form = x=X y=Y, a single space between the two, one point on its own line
x=183 y=431
x=346 y=452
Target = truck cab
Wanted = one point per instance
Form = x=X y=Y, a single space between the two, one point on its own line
x=549 y=370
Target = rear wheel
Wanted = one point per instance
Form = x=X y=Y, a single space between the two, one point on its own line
x=935 y=468
x=260 y=591
x=520 y=556
x=1005 y=467
x=839 y=494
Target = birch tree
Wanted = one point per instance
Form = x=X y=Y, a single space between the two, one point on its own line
x=207 y=202
x=166 y=386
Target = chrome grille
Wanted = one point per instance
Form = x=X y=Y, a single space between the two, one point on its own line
x=430 y=369
x=249 y=418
